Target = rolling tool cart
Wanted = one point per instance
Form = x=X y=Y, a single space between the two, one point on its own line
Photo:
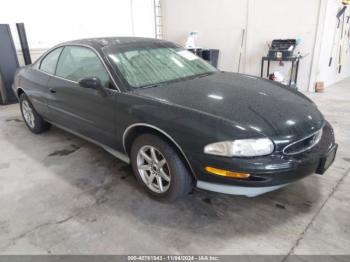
x=282 y=50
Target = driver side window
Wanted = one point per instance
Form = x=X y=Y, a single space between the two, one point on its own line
x=78 y=62
x=49 y=62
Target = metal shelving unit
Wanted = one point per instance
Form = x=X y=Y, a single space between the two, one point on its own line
x=293 y=78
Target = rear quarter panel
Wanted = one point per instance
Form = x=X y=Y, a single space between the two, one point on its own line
x=34 y=84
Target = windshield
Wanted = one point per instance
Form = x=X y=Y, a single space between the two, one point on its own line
x=150 y=66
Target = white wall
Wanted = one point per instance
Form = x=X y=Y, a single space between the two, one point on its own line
x=282 y=19
x=220 y=25
x=49 y=22
x=143 y=18
x=325 y=73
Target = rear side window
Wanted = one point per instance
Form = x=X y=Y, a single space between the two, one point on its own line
x=48 y=64
x=78 y=62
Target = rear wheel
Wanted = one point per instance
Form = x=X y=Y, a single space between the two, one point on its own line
x=33 y=120
x=159 y=168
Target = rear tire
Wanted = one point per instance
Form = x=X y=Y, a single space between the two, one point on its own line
x=166 y=168
x=33 y=120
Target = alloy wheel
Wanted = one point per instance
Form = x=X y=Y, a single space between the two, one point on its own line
x=153 y=169
x=28 y=114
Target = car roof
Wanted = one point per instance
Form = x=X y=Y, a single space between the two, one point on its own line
x=101 y=42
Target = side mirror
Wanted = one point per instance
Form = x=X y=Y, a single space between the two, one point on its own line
x=90 y=82
x=93 y=83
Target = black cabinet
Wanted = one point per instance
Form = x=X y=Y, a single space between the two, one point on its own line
x=8 y=65
x=210 y=55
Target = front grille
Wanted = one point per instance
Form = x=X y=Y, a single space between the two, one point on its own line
x=304 y=144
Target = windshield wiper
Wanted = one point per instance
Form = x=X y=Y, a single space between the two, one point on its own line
x=151 y=85
x=203 y=75
x=177 y=80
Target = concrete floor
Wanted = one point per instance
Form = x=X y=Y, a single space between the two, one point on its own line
x=62 y=195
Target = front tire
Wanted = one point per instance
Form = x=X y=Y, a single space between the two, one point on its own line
x=33 y=120
x=159 y=168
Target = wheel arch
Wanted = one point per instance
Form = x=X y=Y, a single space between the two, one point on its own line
x=138 y=129
x=20 y=91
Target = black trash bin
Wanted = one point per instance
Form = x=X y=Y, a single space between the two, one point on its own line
x=197 y=51
x=210 y=55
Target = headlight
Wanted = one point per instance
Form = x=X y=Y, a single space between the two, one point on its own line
x=241 y=148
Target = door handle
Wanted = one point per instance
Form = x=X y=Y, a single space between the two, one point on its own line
x=52 y=90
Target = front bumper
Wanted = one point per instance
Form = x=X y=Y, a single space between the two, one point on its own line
x=236 y=190
x=267 y=173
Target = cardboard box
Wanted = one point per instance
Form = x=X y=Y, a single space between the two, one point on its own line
x=319 y=88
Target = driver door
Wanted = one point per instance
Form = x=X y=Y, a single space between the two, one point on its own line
x=82 y=110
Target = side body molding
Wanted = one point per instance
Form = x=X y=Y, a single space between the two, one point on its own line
x=129 y=128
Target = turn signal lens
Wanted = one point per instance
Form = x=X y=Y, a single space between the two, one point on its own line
x=226 y=173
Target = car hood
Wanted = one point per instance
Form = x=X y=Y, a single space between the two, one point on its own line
x=248 y=102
